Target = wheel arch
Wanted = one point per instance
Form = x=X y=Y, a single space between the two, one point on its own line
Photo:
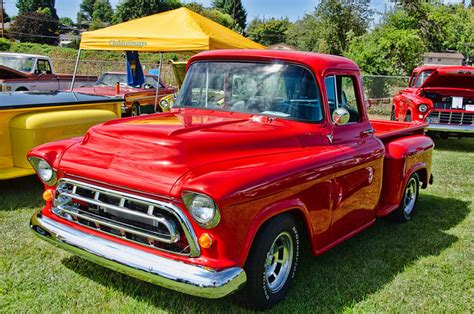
x=294 y=208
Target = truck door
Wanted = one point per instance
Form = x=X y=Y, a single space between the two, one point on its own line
x=47 y=81
x=358 y=178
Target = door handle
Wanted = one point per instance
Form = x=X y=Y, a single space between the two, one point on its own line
x=367 y=132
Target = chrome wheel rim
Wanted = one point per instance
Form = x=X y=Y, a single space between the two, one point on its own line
x=410 y=197
x=134 y=111
x=278 y=262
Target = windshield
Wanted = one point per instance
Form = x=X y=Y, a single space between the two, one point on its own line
x=23 y=64
x=275 y=89
x=422 y=77
x=110 y=79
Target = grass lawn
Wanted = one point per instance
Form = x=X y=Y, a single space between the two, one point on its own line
x=426 y=265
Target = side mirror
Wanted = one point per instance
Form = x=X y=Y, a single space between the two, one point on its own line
x=341 y=116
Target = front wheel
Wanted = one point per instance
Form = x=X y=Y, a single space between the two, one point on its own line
x=405 y=212
x=271 y=264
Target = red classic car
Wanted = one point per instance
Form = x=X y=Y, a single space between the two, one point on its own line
x=137 y=100
x=441 y=96
x=262 y=150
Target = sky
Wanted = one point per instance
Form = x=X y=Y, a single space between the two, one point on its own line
x=293 y=9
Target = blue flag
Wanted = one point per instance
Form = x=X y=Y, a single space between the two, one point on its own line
x=135 y=75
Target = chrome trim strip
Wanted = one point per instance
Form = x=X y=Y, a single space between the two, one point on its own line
x=101 y=221
x=451 y=128
x=172 y=209
x=179 y=276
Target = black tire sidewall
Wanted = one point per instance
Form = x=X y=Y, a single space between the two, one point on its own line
x=136 y=108
x=256 y=292
x=402 y=211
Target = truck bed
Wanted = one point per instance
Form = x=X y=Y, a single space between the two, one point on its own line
x=387 y=130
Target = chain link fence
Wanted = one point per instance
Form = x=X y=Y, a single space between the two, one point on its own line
x=379 y=91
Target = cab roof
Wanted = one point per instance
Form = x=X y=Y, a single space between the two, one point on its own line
x=435 y=67
x=317 y=61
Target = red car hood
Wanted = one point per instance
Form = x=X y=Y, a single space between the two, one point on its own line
x=150 y=153
x=451 y=77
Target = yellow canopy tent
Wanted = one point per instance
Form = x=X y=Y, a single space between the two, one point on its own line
x=171 y=31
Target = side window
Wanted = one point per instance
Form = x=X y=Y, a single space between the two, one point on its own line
x=412 y=79
x=342 y=93
x=43 y=67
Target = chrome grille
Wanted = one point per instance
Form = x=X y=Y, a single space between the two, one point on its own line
x=449 y=117
x=149 y=222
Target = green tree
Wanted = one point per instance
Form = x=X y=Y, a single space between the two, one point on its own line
x=212 y=14
x=36 y=27
x=67 y=21
x=30 y=6
x=330 y=27
x=268 y=32
x=132 y=9
x=86 y=10
x=6 y=18
x=103 y=11
x=235 y=9
x=387 y=51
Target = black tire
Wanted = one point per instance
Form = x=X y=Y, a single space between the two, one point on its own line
x=405 y=212
x=408 y=116
x=135 y=111
x=262 y=291
x=392 y=114
x=21 y=89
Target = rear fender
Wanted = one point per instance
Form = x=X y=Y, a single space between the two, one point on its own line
x=404 y=157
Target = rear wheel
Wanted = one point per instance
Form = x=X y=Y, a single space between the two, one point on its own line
x=271 y=264
x=407 y=207
x=135 y=110
x=21 y=89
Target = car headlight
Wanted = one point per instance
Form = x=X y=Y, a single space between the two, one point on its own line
x=165 y=104
x=44 y=170
x=202 y=208
x=422 y=108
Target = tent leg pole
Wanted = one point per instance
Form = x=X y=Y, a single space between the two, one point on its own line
x=75 y=69
x=159 y=80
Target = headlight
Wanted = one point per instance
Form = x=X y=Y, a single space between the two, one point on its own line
x=45 y=172
x=164 y=104
x=202 y=209
x=422 y=108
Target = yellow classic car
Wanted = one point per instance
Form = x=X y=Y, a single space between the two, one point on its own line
x=28 y=119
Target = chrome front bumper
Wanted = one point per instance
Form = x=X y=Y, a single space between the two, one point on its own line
x=186 y=278
x=451 y=128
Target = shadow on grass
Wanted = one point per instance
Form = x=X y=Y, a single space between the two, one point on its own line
x=333 y=281
x=455 y=145
x=20 y=193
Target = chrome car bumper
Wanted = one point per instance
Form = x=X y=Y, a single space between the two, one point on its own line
x=451 y=128
x=186 y=278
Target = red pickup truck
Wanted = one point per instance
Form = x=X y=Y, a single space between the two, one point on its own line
x=441 y=96
x=262 y=150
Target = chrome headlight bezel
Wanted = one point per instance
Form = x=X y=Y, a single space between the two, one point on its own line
x=45 y=172
x=164 y=104
x=192 y=202
x=422 y=108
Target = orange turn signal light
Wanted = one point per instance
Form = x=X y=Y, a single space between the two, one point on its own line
x=205 y=241
x=48 y=195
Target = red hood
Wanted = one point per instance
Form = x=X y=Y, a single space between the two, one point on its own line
x=159 y=149
x=451 y=77
x=9 y=73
